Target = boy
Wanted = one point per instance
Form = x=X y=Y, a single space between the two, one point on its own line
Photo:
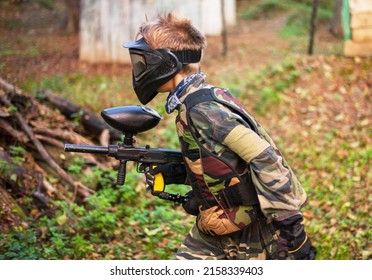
x=246 y=198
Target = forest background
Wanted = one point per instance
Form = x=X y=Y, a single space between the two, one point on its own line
x=316 y=107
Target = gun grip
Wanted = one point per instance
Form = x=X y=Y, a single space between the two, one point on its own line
x=159 y=185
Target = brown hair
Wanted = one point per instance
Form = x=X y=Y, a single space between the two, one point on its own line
x=172 y=32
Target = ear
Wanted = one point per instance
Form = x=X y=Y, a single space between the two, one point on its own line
x=191 y=68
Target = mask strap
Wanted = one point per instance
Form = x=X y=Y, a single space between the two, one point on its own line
x=188 y=56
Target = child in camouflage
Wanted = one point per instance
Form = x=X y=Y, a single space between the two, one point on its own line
x=246 y=199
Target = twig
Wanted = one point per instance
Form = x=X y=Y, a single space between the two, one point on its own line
x=66 y=135
x=12 y=132
x=9 y=87
x=90 y=159
x=64 y=176
x=52 y=141
x=104 y=137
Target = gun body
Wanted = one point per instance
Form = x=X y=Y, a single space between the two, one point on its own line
x=131 y=120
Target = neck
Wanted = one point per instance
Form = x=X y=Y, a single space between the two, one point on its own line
x=177 y=79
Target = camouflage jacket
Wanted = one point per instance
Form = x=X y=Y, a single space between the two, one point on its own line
x=220 y=150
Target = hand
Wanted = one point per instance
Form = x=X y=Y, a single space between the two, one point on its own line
x=301 y=248
x=191 y=206
x=173 y=173
x=281 y=248
x=293 y=242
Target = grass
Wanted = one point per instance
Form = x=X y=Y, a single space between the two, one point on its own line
x=298 y=14
x=29 y=52
x=94 y=93
x=104 y=228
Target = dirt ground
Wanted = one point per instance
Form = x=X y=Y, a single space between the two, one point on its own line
x=34 y=43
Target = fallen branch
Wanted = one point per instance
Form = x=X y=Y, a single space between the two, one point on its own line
x=84 y=191
x=66 y=135
x=9 y=87
x=90 y=159
x=52 y=141
x=90 y=121
x=11 y=131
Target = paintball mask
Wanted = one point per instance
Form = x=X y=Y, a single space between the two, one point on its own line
x=151 y=68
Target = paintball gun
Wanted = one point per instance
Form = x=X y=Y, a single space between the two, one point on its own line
x=131 y=120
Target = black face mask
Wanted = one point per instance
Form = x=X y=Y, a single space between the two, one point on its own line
x=151 y=68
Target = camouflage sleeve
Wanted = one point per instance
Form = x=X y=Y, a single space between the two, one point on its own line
x=273 y=181
x=245 y=142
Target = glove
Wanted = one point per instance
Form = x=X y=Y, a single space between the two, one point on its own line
x=281 y=248
x=292 y=242
x=173 y=173
x=301 y=248
x=191 y=206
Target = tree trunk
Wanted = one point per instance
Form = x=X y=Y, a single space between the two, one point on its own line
x=73 y=11
x=336 y=23
x=313 y=25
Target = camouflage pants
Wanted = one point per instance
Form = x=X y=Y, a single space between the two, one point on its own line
x=256 y=241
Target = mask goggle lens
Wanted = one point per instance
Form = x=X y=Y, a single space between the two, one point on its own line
x=144 y=61
x=139 y=65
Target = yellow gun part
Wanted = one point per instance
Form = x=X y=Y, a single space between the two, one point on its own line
x=159 y=185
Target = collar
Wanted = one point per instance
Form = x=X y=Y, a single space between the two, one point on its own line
x=174 y=98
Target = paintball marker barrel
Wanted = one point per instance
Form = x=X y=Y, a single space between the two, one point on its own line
x=86 y=149
x=130 y=153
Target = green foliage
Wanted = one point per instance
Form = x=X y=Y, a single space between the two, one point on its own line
x=17 y=153
x=76 y=166
x=298 y=21
x=5 y=167
x=19 y=245
x=103 y=228
x=263 y=8
x=47 y=4
x=29 y=52
x=340 y=223
x=268 y=86
x=298 y=14
x=93 y=93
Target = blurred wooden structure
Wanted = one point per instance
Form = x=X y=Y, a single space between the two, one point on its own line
x=105 y=24
x=357 y=22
